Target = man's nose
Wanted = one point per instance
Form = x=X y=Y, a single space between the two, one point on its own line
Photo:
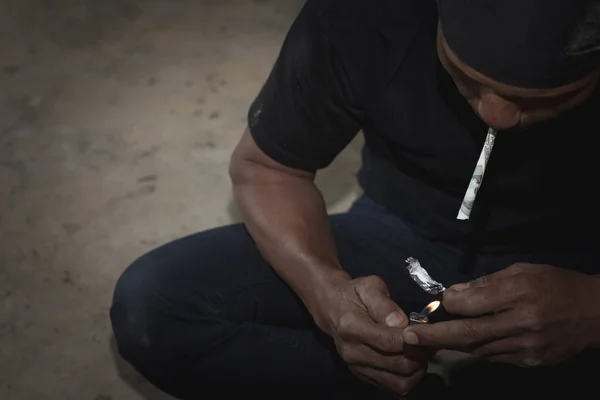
x=498 y=112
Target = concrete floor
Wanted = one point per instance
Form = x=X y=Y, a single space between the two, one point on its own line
x=117 y=119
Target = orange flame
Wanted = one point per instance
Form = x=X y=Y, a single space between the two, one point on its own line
x=432 y=307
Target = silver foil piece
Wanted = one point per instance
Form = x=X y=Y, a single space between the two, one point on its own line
x=421 y=276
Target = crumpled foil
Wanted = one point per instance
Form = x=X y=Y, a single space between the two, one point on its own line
x=421 y=276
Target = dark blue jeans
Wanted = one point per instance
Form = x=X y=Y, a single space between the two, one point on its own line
x=206 y=312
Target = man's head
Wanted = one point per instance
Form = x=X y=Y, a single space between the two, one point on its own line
x=519 y=62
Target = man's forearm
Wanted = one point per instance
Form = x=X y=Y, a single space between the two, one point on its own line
x=287 y=218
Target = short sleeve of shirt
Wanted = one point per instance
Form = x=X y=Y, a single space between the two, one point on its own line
x=306 y=112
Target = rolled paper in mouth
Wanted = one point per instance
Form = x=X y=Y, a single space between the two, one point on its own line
x=464 y=213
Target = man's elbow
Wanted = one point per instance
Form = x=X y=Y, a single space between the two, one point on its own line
x=248 y=163
x=240 y=169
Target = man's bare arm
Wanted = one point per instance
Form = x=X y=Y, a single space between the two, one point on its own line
x=286 y=215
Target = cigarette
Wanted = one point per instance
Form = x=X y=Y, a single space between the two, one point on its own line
x=416 y=318
x=464 y=213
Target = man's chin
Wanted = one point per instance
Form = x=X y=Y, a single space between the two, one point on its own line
x=521 y=126
x=516 y=129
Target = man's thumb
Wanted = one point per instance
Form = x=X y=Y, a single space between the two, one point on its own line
x=396 y=319
x=374 y=295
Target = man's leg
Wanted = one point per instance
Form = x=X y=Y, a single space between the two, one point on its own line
x=208 y=310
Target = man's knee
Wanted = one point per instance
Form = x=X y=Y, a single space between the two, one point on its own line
x=150 y=299
x=159 y=309
x=131 y=312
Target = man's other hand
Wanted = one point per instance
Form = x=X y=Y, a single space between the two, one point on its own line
x=527 y=315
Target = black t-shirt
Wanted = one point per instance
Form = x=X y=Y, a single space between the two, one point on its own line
x=372 y=65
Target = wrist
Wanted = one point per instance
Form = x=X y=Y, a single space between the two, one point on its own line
x=595 y=339
x=321 y=299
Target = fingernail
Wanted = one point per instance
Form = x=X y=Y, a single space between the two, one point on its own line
x=411 y=338
x=460 y=287
x=394 y=320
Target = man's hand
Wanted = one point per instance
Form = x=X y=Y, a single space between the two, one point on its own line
x=367 y=328
x=527 y=315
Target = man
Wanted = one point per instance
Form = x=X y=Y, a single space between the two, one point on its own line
x=296 y=303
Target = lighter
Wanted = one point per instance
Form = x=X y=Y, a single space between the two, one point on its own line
x=416 y=318
x=424 y=280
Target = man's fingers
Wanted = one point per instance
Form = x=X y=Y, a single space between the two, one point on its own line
x=508 y=345
x=374 y=294
x=387 y=381
x=364 y=356
x=419 y=353
x=513 y=359
x=461 y=334
x=360 y=328
x=527 y=350
x=476 y=300
x=489 y=294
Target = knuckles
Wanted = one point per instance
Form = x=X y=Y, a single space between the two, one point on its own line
x=482 y=281
x=405 y=366
x=372 y=282
x=532 y=360
x=531 y=344
x=348 y=354
x=405 y=386
x=385 y=341
x=521 y=267
x=531 y=319
x=472 y=333
x=346 y=324
x=388 y=343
